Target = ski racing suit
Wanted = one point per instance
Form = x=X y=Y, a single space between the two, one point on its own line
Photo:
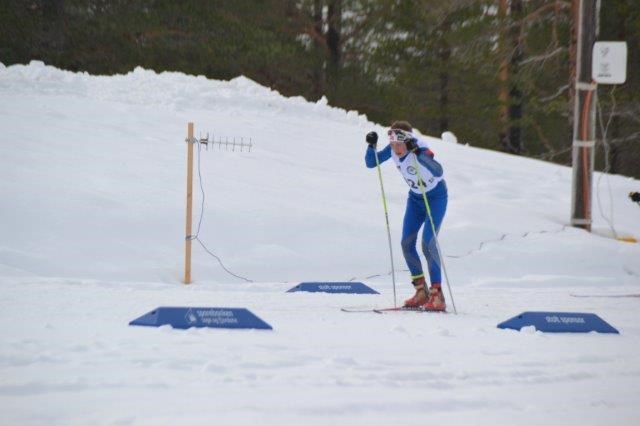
x=416 y=212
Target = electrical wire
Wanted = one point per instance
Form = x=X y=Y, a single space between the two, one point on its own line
x=586 y=166
x=607 y=167
x=196 y=235
x=481 y=245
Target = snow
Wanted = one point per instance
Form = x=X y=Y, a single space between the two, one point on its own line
x=92 y=211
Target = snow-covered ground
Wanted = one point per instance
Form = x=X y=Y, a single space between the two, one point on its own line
x=92 y=211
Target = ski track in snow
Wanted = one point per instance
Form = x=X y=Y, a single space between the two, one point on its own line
x=92 y=232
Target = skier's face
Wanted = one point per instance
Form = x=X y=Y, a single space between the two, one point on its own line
x=397 y=138
x=399 y=148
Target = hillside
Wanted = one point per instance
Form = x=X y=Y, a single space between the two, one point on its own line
x=92 y=195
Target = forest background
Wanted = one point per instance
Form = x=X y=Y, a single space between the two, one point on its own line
x=499 y=74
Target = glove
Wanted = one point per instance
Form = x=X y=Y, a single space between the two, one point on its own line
x=412 y=145
x=635 y=197
x=372 y=139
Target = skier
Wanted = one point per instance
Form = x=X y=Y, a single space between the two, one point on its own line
x=408 y=151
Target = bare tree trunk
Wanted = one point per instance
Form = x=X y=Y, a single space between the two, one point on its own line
x=319 y=73
x=573 y=49
x=445 y=54
x=53 y=11
x=510 y=96
x=616 y=160
x=515 y=92
x=334 y=20
x=503 y=76
x=556 y=19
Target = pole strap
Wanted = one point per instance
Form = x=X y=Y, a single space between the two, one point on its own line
x=583 y=144
x=581 y=85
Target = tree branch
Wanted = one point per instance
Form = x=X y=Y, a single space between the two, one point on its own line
x=555 y=95
x=536 y=13
x=631 y=137
x=543 y=57
x=318 y=38
x=541 y=135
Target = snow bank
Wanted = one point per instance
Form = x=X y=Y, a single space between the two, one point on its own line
x=92 y=198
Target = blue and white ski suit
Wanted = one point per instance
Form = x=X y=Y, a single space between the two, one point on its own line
x=416 y=212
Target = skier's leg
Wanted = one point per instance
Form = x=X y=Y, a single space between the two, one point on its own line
x=435 y=301
x=413 y=220
x=414 y=217
x=438 y=207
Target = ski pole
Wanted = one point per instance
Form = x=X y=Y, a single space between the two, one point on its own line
x=386 y=217
x=433 y=229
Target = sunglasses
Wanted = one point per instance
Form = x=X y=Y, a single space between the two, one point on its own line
x=398 y=135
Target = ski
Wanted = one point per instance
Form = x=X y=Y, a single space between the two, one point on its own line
x=406 y=309
x=385 y=310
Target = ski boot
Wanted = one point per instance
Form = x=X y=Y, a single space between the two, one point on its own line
x=435 y=300
x=420 y=298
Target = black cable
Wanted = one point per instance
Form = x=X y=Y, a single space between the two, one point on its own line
x=482 y=244
x=196 y=236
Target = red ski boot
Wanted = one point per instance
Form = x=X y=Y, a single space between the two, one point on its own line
x=420 y=298
x=435 y=300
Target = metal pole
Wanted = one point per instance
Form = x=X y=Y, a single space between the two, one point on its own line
x=386 y=217
x=584 y=123
x=433 y=229
x=188 y=237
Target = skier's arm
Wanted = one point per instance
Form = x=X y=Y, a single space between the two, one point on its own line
x=425 y=157
x=370 y=155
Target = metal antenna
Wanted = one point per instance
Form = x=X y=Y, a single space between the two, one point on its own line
x=189 y=237
x=230 y=144
x=205 y=141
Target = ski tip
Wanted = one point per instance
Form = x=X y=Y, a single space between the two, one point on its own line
x=352 y=310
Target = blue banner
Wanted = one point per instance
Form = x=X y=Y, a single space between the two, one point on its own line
x=187 y=317
x=559 y=322
x=334 y=287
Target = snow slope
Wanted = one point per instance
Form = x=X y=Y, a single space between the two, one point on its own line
x=92 y=197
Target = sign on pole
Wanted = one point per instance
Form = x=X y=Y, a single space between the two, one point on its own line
x=609 y=64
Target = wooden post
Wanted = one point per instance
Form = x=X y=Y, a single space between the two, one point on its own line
x=187 y=251
x=584 y=123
